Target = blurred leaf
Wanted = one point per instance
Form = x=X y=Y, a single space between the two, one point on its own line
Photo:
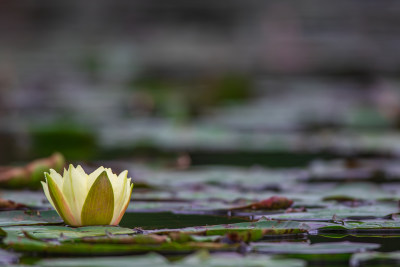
x=199 y=259
x=31 y=174
x=375 y=259
x=340 y=212
x=376 y=226
x=272 y=203
x=322 y=252
x=72 y=140
x=7 y=258
x=253 y=230
x=6 y=204
x=13 y=218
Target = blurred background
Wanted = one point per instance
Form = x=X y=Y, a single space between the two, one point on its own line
x=276 y=83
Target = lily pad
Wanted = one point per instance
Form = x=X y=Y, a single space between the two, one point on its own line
x=358 y=191
x=198 y=259
x=12 y=218
x=339 y=212
x=321 y=251
x=253 y=230
x=377 y=226
x=30 y=245
x=146 y=260
x=375 y=259
x=32 y=199
x=65 y=233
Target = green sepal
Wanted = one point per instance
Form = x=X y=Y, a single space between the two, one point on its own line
x=98 y=208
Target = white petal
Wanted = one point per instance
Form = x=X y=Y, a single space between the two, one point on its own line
x=47 y=194
x=124 y=204
x=93 y=176
x=123 y=200
x=80 y=179
x=57 y=178
x=119 y=183
x=65 y=173
x=128 y=188
x=80 y=170
x=119 y=187
x=75 y=191
x=113 y=177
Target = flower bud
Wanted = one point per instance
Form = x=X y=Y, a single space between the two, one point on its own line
x=98 y=198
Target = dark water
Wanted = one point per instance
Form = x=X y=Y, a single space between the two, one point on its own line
x=169 y=220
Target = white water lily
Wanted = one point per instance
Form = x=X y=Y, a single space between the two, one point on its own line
x=98 y=198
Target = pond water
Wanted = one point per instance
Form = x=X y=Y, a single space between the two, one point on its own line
x=169 y=220
x=317 y=187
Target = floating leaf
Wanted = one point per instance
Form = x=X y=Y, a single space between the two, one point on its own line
x=375 y=259
x=65 y=233
x=321 y=251
x=11 y=218
x=196 y=260
x=28 y=244
x=272 y=203
x=339 y=212
x=377 y=226
x=252 y=230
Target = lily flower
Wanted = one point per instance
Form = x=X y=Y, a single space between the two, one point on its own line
x=98 y=198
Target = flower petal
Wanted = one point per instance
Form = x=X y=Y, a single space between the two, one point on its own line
x=56 y=177
x=119 y=201
x=93 y=176
x=47 y=193
x=118 y=218
x=75 y=190
x=60 y=203
x=119 y=184
x=81 y=170
x=98 y=208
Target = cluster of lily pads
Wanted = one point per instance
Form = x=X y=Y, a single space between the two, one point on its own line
x=336 y=212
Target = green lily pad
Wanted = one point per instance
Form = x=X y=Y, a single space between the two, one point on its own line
x=333 y=251
x=222 y=176
x=31 y=245
x=251 y=260
x=199 y=259
x=375 y=259
x=145 y=260
x=377 y=226
x=358 y=191
x=339 y=212
x=252 y=230
x=12 y=218
x=34 y=199
x=64 y=233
